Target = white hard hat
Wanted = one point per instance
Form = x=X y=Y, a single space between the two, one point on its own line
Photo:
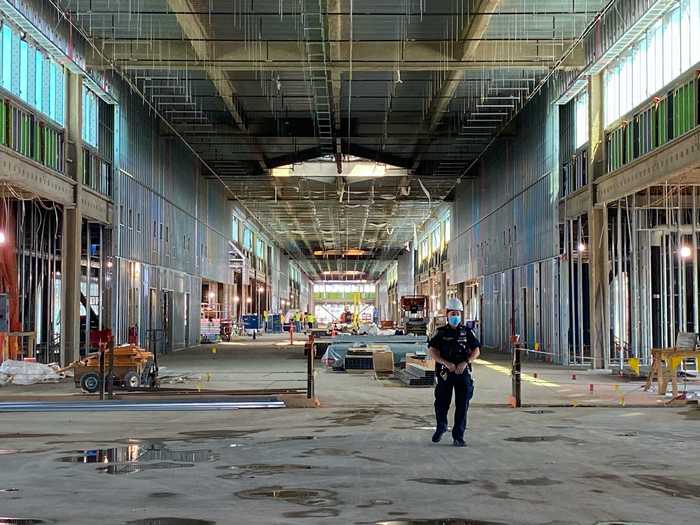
x=454 y=304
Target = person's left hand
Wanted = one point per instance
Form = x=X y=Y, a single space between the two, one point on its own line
x=461 y=367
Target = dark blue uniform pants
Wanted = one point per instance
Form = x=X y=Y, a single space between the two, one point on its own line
x=464 y=390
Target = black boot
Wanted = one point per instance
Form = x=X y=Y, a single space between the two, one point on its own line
x=459 y=442
x=437 y=436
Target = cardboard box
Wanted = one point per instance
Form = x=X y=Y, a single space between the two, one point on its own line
x=383 y=360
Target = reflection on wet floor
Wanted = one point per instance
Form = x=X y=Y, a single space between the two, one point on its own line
x=133 y=468
x=19 y=521
x=138 y=452
x=139 y=456
x=170 y=521
x=298 y=496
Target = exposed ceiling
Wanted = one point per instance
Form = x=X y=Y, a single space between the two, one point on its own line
x=415 y=84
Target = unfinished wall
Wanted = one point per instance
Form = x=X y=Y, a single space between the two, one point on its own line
x=505 y=231
x=173 y=227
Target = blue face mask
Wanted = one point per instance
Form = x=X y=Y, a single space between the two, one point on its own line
x=454 y=320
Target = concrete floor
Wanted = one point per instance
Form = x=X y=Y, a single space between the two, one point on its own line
x=364 y=456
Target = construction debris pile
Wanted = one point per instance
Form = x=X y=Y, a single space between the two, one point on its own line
x=29 y=373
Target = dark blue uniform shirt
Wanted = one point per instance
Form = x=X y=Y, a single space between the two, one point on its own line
x=454 y=344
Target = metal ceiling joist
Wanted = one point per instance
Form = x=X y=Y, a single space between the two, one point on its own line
x=368 y=55
x=469 y=44
x=194 y=29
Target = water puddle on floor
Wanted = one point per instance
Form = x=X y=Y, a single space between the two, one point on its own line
x=163 y=495
x=439 y=521
x=19 y=521
x=625 y=523
x=355 y=418
x=340 y=452
x=543 y=439
x=23 y=435
x=139 y=456
x=260 y=469
x=133 y=468
x=313 y=513
x=170 y=521
x=533 y=482
x=221 y=434
x=138 y=452
x=669 y=486
x=298 y=496
x=442 y=481
x=375 y=503
x=8 y=490
x=285 y=439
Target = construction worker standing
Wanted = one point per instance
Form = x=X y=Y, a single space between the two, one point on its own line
x=453 y=347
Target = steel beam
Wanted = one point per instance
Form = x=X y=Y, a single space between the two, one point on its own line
x=193 y=28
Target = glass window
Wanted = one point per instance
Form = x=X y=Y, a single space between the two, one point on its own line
x=23 y=70
x=670 y=47
x=248 y=239
x=89 y=125
x=260 y=248
x=52 y=89
x=694 y=23
x=448 y=233
x=7 y=57
x=685 y=54
x=38 y=79
x=581 y=103
x=234 y=229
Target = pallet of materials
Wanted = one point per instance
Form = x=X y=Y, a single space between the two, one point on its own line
x=359 y=359
x=417 y=375
x=210 y=330
x=420 y=360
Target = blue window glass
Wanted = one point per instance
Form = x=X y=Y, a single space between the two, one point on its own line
x=38 y=79
x=60 y=98
x=23 y=70
x=247 y=239
x=6 y=57
x=52 y=91
x=14 y=84
x=89 y=125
